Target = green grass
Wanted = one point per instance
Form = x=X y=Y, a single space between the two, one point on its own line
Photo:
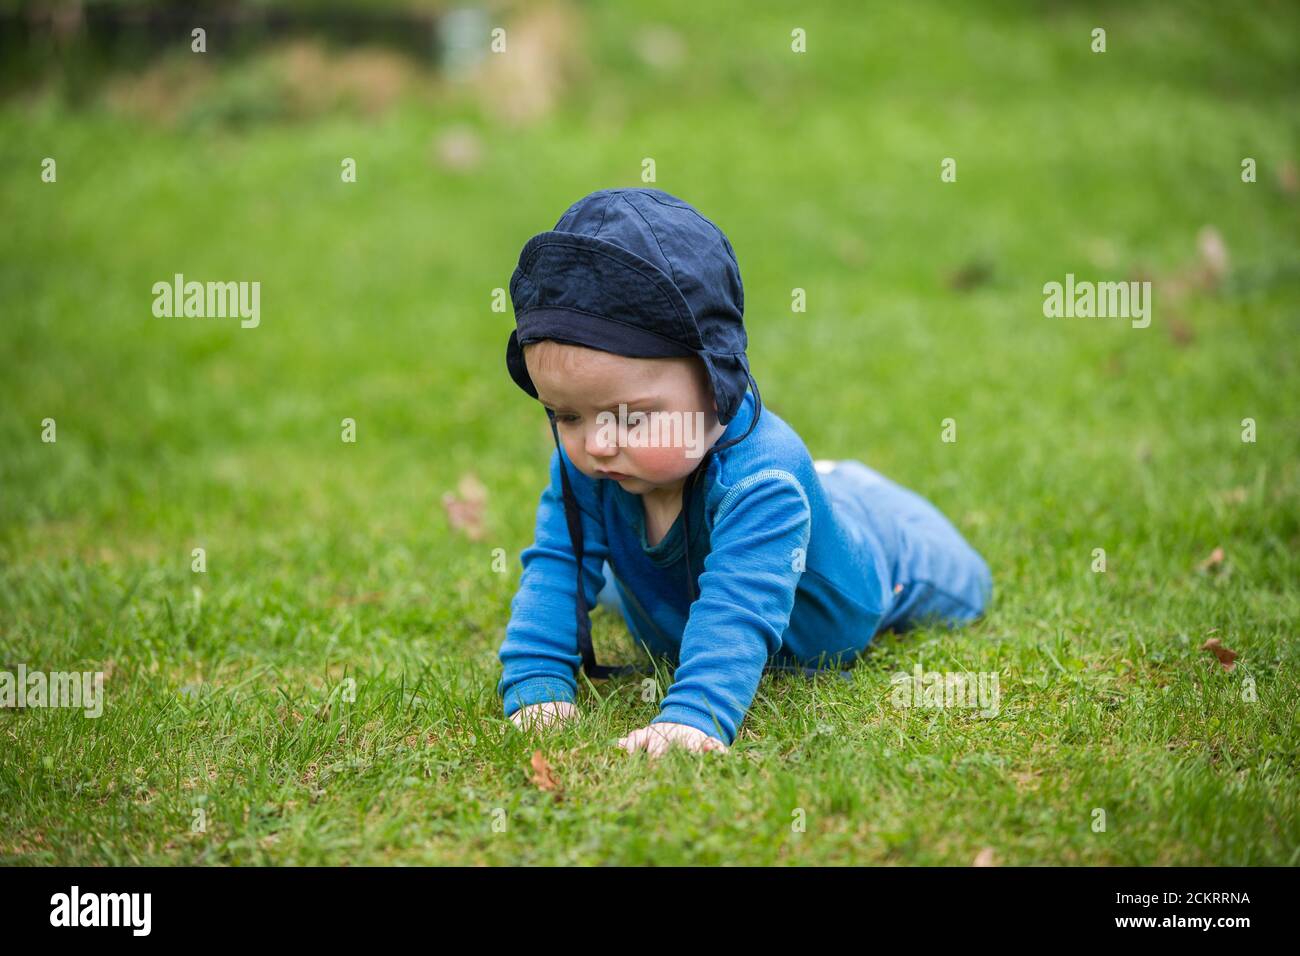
x=329 y=561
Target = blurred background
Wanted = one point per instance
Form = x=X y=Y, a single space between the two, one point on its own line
x=924 y=298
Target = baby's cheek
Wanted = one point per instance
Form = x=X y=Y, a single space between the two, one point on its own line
x=575 y=451
x=662 y=464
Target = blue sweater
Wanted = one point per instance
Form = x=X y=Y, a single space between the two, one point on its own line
x=787 y=577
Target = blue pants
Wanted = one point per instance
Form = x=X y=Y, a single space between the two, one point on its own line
x=933 y=573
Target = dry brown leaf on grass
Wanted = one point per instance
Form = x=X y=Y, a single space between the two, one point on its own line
x=1213 y=561
x=543 y=777
x=1204 y=274
x=1287 y=179
x=1180 y=333
x=1227 y=658
x=284 y=713
x=1213 y=253
x=971 y=275
x=1027 y=780
x=465 y=508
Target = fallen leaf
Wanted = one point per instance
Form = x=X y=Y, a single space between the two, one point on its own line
x=465 y=509
x=984 y=857
x=1287 y=180
x=284 y=714
x=1180 y=333
x=1214 y=255
x=1141 y=274
x=543 y=776
x=1205 y=273
x=1026 y=780
x=1213 y=561
x=1228 y=658
x=970 y=276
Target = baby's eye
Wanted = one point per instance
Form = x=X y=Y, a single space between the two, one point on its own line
x=566 y=418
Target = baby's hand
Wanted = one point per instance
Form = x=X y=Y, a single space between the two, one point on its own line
x=544 y=715
x=657 y=738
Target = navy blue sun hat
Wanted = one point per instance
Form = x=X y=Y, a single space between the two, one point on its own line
x=640 y=273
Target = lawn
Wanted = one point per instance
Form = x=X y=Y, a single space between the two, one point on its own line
x=324 y=691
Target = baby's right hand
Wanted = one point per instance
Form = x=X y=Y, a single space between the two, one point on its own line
x=544 y=715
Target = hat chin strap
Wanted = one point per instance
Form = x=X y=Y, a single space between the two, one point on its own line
x=573 y=517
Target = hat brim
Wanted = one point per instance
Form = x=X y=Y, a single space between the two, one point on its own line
x=591 y=331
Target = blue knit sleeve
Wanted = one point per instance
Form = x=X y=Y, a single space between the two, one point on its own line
x=747 y=592
x=540 y=655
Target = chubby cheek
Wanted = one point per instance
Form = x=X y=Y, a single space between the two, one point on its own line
x=575 y=451
x=660 y=465
x=651 y=465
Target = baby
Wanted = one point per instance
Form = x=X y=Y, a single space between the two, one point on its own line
x=677 y=501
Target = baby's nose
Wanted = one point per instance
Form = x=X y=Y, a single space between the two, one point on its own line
x=600 y=444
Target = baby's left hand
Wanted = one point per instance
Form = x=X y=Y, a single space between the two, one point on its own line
x=657 y=738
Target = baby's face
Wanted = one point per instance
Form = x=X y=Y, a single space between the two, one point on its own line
x=578 y=384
